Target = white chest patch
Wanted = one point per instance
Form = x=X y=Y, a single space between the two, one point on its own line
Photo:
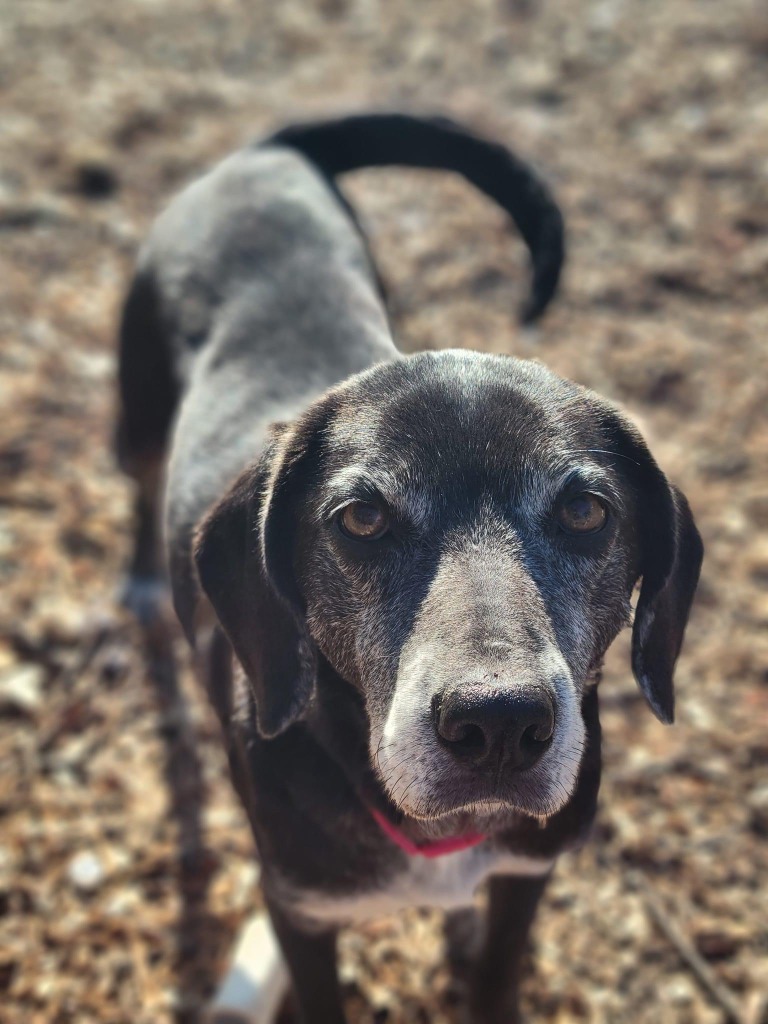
x=446 y=882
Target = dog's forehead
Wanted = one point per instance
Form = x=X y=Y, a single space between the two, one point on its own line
x=456 y=418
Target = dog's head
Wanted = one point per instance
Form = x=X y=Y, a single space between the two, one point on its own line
x=458 y=535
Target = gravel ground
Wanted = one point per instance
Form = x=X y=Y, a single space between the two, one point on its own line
x=125 y=862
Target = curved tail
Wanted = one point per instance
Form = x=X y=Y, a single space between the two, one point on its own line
x=381 y=140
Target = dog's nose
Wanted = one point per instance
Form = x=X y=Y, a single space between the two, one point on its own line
x=501 y=729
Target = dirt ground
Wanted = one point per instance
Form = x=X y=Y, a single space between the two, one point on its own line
x=125 y=862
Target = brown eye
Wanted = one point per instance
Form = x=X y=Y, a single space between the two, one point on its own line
x=363 y=521
x=583 y=514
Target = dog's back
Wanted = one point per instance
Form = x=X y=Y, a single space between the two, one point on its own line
x=261 y=246
x=255 y=292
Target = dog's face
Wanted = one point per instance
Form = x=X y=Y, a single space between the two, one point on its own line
x=459 y=536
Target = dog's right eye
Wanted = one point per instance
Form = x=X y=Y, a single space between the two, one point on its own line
x=363 y=521
x=582 y=514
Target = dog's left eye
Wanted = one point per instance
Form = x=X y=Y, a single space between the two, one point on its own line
x=584 y=513
x=363 y=521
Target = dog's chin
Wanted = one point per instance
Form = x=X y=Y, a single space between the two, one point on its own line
x=483 y=817
x=484 y=814
x=439 y=795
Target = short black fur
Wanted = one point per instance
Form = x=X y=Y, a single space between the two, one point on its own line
x=256 y=301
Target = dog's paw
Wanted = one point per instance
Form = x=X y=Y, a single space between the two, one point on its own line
x=257 y=980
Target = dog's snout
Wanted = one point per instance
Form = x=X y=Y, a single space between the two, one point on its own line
x=503 y=728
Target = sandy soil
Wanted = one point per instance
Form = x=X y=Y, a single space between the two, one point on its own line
x=125 y=862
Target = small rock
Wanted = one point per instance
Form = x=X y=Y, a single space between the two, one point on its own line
x=57 y=620
x=123 y=903
x=757 y=562
x=37 y=212
x=95 y=179
x=85 y=871
x=757 y=802
x=716 y=944
x=21 y=688
x=115 y=664
x=678 y=991
x=88 y=169
x=758 y=611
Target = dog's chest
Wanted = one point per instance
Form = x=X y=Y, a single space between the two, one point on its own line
x=444 y=882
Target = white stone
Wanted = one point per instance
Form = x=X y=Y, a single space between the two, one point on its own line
x=21 y=687
x=86 y=872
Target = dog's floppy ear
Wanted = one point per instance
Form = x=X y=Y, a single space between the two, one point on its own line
x=671 y=552
x=670 y=573
x=244 y=558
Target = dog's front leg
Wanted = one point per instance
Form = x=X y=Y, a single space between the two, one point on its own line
x=311 y=960
x=512 y=904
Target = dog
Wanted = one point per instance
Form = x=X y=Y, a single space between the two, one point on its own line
x=400 y=574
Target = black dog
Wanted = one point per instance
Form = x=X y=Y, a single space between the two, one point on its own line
x=418 y=562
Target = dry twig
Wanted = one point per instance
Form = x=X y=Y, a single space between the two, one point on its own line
x=687 y=952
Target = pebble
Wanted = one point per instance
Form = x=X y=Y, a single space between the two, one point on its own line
x=86 y=871
x=757 y=802
x=123 y=903
x=21 y=688
x=92 y=170
x=60 y=620
x=679 y=991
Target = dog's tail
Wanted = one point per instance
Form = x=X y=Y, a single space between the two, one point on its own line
x=382 y=140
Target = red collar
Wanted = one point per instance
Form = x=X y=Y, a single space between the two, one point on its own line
x=438 y=849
